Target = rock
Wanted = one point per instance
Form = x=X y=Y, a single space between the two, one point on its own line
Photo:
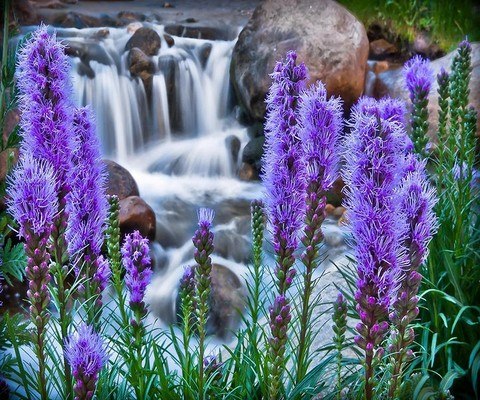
x=253 y=151
x=335 y=194
x=167 y=5
x=227 y=300
x=87 y=51
x=391 y=83
x=146 y=39
x=248 y=172
x=75 y=20
x=101 y=33
x=328 y=39
x=136 y=214
x=139 y=64
x=204 y=52
x=339 y=211
x=425 y=46
x=127 y=17
x=219 y=31
x=380 y=49
x=170 y=40
x=233 y=144
x=84 y=69
x=119 y=181
x=329 y=208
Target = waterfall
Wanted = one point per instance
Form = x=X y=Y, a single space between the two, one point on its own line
x=187 y=114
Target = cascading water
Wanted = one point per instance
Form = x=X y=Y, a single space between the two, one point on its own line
x=177 y=136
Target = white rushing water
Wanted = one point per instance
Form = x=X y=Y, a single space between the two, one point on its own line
x=177 y=137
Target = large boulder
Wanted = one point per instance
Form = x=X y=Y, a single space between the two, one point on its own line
x=146 y=39
x=136 y=214
x=328 y=39
x=139 y=64
x=227 y=301
x=120 y=182
x=392 y=83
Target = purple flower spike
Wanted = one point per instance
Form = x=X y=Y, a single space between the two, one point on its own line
x=320 y=127
x=205 y=217
x=187 y=281
x=419 y=77
x=136 y=260
x=86 y=354
x=283 y=166
x=89 y=206
x=33 y=198
x=375 y=162
x=47 y=111
x=102 y=274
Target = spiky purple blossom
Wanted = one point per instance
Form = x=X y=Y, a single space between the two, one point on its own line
x=47 y=110
x=419 y=79
x=33 y=204
x=320 y=125
x=187 y=281
x=417 y=202
x=86 y=354
x=88 y=208
x=283 y=166
x=137 y=263
x=374 y=165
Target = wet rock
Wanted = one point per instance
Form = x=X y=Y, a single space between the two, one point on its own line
x=25 y=13
x=75 y=20
x=233 y=144
x=335 y=194
x=253 y=151
x=381 y=49
x=248 y=172
x=204 y=53
x=101 y=33
x=136 y=214
x=127 y=17
x=139 y=64
x=119 y=181
x=87 y=51
x=220 y=31
x=227 y=301
x=339 y=211
x=146 y=39
x=392 y=83
x=329 y=208
x=330 y=40
x=233 y=241
x=170 y=40
x=84 y=69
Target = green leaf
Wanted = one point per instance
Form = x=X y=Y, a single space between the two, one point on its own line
x=14 y=261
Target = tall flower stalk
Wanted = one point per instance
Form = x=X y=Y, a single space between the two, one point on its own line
x=47 y=132
x=203 y=242
x=283 y=170
x=137 y=263
x=419 y=78
x=374 y=157
x=86 y=356
x=87 y=212
x=320 y=122
x=417 y=200
x=33 y=204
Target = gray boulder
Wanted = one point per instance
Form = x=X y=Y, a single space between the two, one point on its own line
x=328 y=39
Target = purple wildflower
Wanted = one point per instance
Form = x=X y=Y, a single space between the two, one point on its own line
x=102 y=273
x=89 y=206
x=136 y=260
x=320 y=123
x=283 y=166
x=203 y=242
x=374 y=156
x=419 y=79
x=86 y=354
x=187 y=282
x=417 y=201
x=33 y=204
x=47 y=111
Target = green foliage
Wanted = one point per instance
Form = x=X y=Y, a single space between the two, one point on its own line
x=452 y=270
x=447 y=21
